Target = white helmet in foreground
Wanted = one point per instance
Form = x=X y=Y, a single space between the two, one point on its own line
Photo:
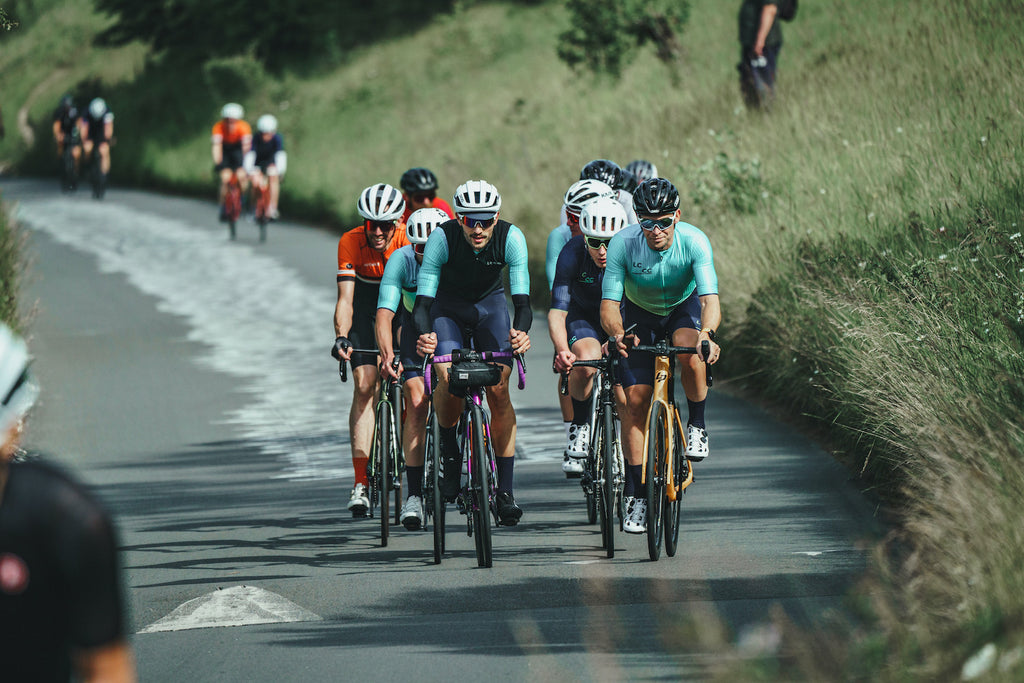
x=381 y=202
x=477 y=196
x=602 y=218
x=18 y=391
x=422 y=222
x=583 y=191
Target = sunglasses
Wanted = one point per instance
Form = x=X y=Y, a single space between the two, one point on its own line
x=419 y=249
x=572 y=218
x=657 y=223
x=382 y=226
x=596 y=243
x=473 y=223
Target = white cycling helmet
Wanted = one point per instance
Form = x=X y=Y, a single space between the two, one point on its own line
x=422 y=222
x=477 y=196
x=266 y=124
x=232 y=110
x=642 y=169
x=583 y=191
x=602 y=217
x=18 y=391
x=381 y=202
x=97 y=108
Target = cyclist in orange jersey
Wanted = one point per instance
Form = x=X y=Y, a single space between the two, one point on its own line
x=232 y=140
x=419 y=186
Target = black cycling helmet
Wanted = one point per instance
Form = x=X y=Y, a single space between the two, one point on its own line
x=418 y=180
x=655 y=197
x=608 y=172
x=629 y=181
x=67 y=101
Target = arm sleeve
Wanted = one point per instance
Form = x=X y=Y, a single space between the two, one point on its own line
x=614 y=272
x=421 y=315
x=435 y=255
x=281 y=161
x=565 y=269
x=556 y=240
x=517 y=258
x=390 y=293
x=522 y=319
x=704 y=267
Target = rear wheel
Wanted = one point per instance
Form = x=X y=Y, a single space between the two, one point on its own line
x=655 y=484
x=606 y=492
x=673 y=507
x=481 y=490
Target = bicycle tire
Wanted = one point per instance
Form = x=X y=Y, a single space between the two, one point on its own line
x=480 y=486
x=437 y=500
x=98 y=178
x=384 y=470
x=606 y=503
x=68 y=179
x=655 y=484
x=397 y=454
x=672 y=509
x=232 y=207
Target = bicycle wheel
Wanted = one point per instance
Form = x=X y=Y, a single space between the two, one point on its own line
x=437 y=506
x=481 y=490
x=656 y=442
x=232 y=207
x=672 y=507
x=384 y=473
x=397 y=455
x=592 y=476
x=262 y=211
x=67 y=178
x=98 y=178
x=606 y=492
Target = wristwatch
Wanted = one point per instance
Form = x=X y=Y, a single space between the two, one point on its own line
x=711 y=334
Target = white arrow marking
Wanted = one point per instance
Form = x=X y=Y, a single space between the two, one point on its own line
x=236 y=606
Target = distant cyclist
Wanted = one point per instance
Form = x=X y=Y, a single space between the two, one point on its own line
x=460 y=303
x=662 y=274
x=642 y=169
x=397 y=296
x=267 y=161
x=574 y=321
x=66 y=132
x=97 y=130
x=610 y=173
x=362 y=254
x=419 y=186
x=232 y=140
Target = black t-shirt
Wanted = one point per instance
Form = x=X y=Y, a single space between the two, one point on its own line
x=472 y=275
x=59 y=574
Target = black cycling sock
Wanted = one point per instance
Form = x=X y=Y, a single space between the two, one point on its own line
x=414 y=474
x=580 y=411
x=504 y=467
x=633 y=483
x=696 y=413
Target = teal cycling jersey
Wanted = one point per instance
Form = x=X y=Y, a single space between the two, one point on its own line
x=398 y=284
x=658 y=281
x=558 y=238
x=451 y=265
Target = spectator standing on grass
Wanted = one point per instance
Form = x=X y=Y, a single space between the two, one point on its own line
x=61 y=607
x=760 y=43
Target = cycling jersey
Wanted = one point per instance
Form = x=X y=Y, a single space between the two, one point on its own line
x=59 y=574
x=68 y=118
x=577 y=279
x=556 y=240
x=358 y=261
x=452 y=267
x=232 y=136
x=399 y=281
x=438 y=203
x=96 y=128
x=266 y=150
x=659 y=281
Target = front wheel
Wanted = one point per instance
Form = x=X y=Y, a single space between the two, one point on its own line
x=606 y=492
x=384 y=473
x=481 y=490
x=655 y=484
x=672 y=507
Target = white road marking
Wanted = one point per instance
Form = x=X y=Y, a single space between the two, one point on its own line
x=236 y=606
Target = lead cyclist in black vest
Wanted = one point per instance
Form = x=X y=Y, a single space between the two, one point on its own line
x=460 y=301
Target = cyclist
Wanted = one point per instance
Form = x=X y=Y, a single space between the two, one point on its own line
x=662 y=271
x=461 y=299
x=610 y=173
x=642 y=169
x=61 y=603
x=398 y=288
x=578 y=194
x=267 y=161
x=232 y=140
x=65 y=130
x=97 y=129
x=574 y=321
x=419 y=186
x=362 y=254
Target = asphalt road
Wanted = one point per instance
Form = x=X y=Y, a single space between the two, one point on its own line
x=188 y=379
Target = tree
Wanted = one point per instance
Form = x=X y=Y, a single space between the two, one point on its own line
x=605 y=35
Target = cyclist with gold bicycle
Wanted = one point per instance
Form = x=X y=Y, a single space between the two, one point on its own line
x=662 y=273
x=397 y=297
x=460 y=303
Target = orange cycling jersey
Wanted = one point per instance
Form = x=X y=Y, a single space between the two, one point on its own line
x=356 y=260
x=232 y=136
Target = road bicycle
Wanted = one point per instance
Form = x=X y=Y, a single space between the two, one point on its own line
x=386 y=464
x=666 y=474
x=261 y=212
x=68 y=164
x=604 y=469
x=468 y=375
x=231 y=205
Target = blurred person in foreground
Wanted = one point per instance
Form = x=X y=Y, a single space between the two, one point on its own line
x=61 y=608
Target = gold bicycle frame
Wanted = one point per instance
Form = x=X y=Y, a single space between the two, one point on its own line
x=662 y=377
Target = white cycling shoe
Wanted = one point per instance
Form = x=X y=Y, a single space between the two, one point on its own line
x=358 y=502
x=696 y=443
x=635 y=521
x=412 y=513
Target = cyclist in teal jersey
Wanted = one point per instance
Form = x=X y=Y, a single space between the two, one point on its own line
x=460 y=302
x=397 y=295
x=662 y=271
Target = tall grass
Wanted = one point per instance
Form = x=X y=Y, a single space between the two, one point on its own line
x=864 y=229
